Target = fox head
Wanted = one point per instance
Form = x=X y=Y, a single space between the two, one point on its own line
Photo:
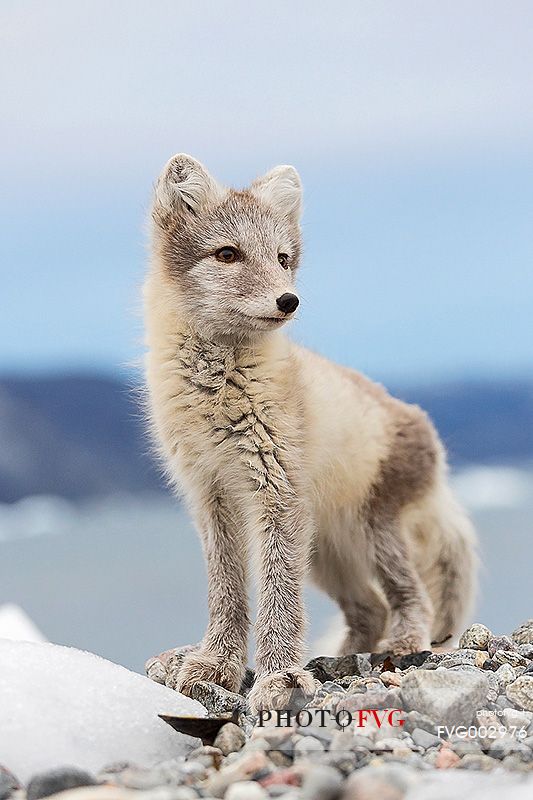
x=230 y=255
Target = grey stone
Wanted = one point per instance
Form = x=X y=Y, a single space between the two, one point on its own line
x=433 y=661
x=245 y=790
x=229 y=739
x=331 y=686
x=414 y=719
x=520 y=692
x=216 y=699
x=526 y=650
x=424 y=739
x=448 y=697
x=512 y=717
x=478 y=762
x=464 y=657
x=476 y=637
x=463 y=746
x=326 y=668
x=307 y=746
x=511 y=657
x=524 y=633
x=321 y=734
x=58 y=780
x=389 y=781
x=505 y=674
x=360 y=740
x=321 y=782
x=506 y=745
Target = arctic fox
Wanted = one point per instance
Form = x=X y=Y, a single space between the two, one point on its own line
x=281 y=453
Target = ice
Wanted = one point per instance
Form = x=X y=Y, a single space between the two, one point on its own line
x=60 y=706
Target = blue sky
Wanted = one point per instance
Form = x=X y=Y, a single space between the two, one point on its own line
x=411 y=124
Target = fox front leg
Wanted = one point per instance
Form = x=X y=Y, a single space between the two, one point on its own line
x=221 y=656
x=284 y=542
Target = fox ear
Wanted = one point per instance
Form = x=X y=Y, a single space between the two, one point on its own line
x=282 y=189
x=185 y=186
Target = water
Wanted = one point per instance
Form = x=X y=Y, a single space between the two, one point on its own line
x=123 y=576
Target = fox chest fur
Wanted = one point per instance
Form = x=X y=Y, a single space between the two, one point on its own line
x=229 y=420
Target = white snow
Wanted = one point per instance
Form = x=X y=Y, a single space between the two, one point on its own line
x=60 y=706
x=16 y=625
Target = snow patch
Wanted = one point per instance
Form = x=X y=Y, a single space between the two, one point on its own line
x=61 y=706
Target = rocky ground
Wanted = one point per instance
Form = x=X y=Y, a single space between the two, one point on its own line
x=467 y=729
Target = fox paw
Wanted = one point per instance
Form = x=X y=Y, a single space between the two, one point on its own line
x=201 y=665
x=405 y=644
x=274 y=689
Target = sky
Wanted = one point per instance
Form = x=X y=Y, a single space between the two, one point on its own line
x=410 y=123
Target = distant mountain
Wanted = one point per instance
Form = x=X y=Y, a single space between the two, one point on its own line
x=77 y=436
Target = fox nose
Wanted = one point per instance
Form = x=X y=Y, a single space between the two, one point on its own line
x=287 y=303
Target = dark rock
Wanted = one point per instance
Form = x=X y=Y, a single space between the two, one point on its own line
x=326 y=668
x=389 y=661
x=204 y=728
x=47 y=783
x=8 y=783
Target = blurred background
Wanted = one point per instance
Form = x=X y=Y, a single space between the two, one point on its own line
x=411 y=125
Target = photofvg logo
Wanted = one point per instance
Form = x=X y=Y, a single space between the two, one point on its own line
x=327 y=718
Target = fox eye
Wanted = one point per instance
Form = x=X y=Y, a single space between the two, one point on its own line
x=283 y=259
x=227 y=255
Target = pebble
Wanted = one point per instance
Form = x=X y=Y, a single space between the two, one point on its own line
x=386 y=782
x=307 y=747
x=326 y=668
x=492 y=674
x=230 y=738
x=505 y=674
x=446 y=758
x=216 y=699
x=477 y=637
x=45 y=784
x=245 y=790
x=391 y=678
x=520 y=692
x=414 y=719
x=444 y=695
x=424 y=739
x=321 y=782
x=240 y=770
x=500 y=643
x=511 y=657
x=524 y=633
x=478 y=762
